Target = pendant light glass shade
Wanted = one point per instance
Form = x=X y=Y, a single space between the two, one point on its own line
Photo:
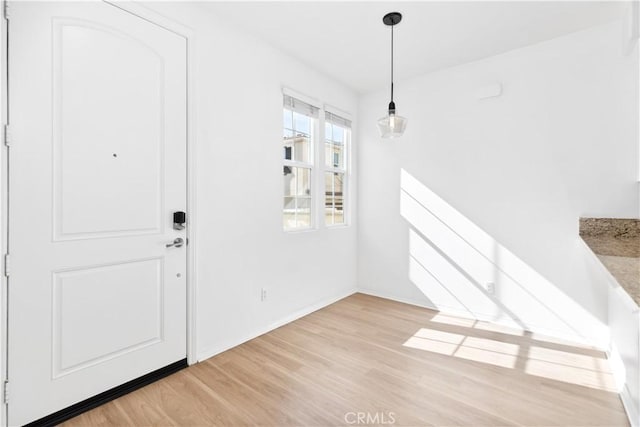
x=392 y=126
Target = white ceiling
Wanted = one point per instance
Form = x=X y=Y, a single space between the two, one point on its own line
x=348 y=41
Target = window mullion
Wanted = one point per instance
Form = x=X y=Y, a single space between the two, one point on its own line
x=295 y=200
x=319 y=173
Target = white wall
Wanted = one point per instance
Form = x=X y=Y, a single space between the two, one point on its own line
x=241 y=246
x=509 y=176
x=498 y=185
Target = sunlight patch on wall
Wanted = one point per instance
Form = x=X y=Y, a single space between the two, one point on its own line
x=452 y=261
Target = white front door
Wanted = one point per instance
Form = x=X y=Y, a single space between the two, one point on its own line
x=97 y=105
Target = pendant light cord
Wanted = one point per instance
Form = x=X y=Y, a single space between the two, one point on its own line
x=392 y=63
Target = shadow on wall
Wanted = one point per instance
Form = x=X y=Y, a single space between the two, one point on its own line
x=463 y=270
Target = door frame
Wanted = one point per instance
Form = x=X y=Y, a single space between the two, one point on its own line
x=142 y=12
x=4 y=210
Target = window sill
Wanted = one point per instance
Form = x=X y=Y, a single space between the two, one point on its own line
x=337 y=226
x=299 y=230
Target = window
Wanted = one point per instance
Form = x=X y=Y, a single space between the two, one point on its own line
x=337 y=135
x=299 y=125
x=311 y=168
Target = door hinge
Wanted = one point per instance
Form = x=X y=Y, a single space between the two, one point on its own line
x=5 y=392
x=7 y=265
x=7 y=135
x=7 y=10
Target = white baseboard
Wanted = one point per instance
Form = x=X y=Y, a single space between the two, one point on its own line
x=630 y=408
x=395 y=298
x=616 y=364
x=229 y=344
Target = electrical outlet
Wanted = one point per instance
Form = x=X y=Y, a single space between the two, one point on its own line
x=491 y=288
x=263 y=294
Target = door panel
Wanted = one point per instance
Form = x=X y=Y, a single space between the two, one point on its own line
x=88 y=306
x=108 y=118
x=97 y=167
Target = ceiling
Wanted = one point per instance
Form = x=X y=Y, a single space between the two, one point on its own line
x=348 y=41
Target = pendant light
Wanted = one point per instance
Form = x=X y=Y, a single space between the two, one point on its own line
x=391 y=125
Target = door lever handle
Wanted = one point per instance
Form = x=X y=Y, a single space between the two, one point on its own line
x=178 y=242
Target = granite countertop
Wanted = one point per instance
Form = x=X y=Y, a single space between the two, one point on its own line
x=616 y=242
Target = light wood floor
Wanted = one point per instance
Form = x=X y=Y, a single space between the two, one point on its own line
x=389 y=361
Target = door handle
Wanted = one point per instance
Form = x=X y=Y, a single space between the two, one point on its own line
x=178 y=242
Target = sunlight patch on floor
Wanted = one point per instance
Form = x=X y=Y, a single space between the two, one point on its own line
x=592 y=378
x=464 y=347
x=574 y=365
x=477 y=324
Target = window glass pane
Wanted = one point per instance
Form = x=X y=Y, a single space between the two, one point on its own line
x=333 y=155
x=334 y=198
x=335 y=138
x=299 y=149
x=297 y=181
x=289 y=213
x=303 y=217
x=303 y=181
x=297 y=197
x=302 y=149
x=297 y=136
x=301 y=124
x=288 y=119
x=338 y=134
x=328 y=153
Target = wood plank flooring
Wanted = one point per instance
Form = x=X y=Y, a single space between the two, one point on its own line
x=366 y=360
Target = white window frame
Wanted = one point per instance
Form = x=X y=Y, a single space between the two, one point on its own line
x=317 y=165
x=344 y=170
x=311 y=165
